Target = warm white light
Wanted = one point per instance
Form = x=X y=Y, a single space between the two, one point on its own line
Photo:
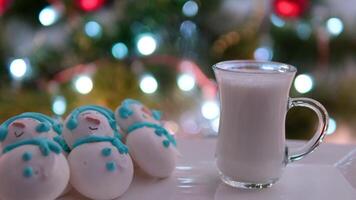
x=215 y=124
x=334 y=26
x=148 y=84
x=210 y=110
x=303 y=83
x=263 y=53
x=83 y=84
x=48 y=16
x=186 y=82
x=59 y=105
x=277 y=21
x=93 y=29
x=190 y=8
x=119 y=50
x=146 y=44
x=332 y=126
x=18 y=68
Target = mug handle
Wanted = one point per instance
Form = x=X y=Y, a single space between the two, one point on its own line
x=323 y=118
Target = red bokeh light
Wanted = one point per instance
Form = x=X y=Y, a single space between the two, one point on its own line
x=3 y=6
x=90 y=5
x=290 y=8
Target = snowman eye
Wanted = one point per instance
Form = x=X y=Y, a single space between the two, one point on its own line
x=18 y=133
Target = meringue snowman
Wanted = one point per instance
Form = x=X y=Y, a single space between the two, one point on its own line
x=32 y=165
x=100 y=165
x=151 y=146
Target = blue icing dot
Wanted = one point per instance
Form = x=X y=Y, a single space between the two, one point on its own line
x=27 y=172
x=159 y=132
x=111 y=166
x=165 y=143
x=27 y=156
x=106 y=152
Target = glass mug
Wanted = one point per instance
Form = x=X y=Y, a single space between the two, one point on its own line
x=251 y=149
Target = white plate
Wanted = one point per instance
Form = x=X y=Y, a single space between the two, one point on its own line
x=320 y=176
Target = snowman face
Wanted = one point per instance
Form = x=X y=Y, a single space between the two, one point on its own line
x=89 y=123
x=24 y=128
x=140 y=113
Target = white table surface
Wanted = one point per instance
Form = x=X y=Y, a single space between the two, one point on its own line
x=195 y=178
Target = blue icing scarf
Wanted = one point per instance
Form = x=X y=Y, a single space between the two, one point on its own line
x=159 y=131
x=44 y=144
x=95 y=138
x=62 y=143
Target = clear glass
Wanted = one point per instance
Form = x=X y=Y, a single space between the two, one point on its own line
x=251 y=150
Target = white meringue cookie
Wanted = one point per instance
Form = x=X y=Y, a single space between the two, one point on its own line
x=37 y=177
x=100 y=164
x=98 y=176
x=151 y=146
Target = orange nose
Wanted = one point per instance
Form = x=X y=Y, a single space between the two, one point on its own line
x=146 y=110
x=19 y=125
x=93 y=120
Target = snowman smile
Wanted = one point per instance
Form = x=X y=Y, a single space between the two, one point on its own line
x=19 y=134
x=93 y=128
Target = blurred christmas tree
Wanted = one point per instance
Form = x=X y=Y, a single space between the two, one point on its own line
x=61 y=54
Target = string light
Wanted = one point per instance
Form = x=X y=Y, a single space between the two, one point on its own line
x=148 y=84
x=215 y=124
x=334 y=26
x=48 y=16
x=303 y=83
x=210 y=110
x=263 y=53
x=59 y=105
x=93 y=29
x=190 y=126
x=90 y=5
x=186 y=82
x=303 y=31
x=190 y=8
x=188 y=28
x=119 y=50
x=277 y=21
x=146 y=44
x=83 y=84
x=18 y=68
x=332 y=126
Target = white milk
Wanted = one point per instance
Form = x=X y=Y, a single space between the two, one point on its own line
x=251 y=141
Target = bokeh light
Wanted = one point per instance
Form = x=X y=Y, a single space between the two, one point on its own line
x=188 y=28
x=48 y=16
x=146 y=44
x=83 y=84
x=210 y=110
x=59 y=105
x=277 y=21
x=190 y=126
x=303 y=83
x=332 y=126
x=90 y=5
x=304 y=31
x=190 y=8
x=186 y=82
x=93 y=29
x=215 y=124
x=148 y=84
x=119 y=50
x=18 y=68
x=334 y=26
x=263 y=53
